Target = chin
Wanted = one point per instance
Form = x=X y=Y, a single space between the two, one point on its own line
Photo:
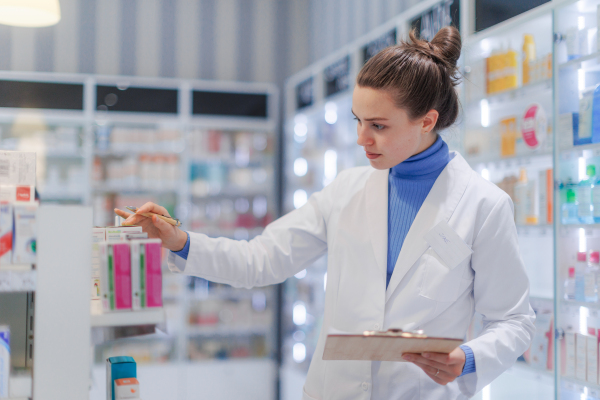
x=379 y=164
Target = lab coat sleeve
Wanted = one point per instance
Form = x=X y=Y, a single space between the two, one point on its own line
x=286 y=247
x=501 y=294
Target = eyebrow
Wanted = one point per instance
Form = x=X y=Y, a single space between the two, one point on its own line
x=370 y=119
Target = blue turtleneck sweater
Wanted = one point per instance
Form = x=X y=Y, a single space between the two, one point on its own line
x=409 y=184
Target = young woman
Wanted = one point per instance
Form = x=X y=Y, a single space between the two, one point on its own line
x=381 y=227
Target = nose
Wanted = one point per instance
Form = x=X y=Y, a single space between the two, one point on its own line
x=364 y=138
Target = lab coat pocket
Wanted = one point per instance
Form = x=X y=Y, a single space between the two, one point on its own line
x=438 y=281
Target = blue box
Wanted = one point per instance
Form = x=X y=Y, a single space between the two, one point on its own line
x=117 y=368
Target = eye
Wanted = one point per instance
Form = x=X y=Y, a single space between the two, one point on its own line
x=356 y=119
x=378 y=127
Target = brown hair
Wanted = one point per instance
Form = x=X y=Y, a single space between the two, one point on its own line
x=420 y=75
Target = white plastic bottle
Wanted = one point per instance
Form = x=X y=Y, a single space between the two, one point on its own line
x=570 y=285
x=591 y=277
x=580 y=268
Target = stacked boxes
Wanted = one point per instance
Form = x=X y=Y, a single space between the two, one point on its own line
x=581 y=353
x=118 y=368
x=129 y=267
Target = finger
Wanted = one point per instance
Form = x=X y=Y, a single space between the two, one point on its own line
x=442 y=375
x=442 y=358
x=150 y=207
x=122 y=213
x=417 y=358
x=135 y=220
x=436 y=379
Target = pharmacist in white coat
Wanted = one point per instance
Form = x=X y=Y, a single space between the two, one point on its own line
x=380 y=227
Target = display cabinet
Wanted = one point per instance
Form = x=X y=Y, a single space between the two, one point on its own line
x=577 y=151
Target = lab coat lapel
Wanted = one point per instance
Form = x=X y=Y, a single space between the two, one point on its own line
x=439 y=205
x=377 y=214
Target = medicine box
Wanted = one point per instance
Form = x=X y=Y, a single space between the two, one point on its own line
x=6 y=233
x=592 y=359
x=580 y=357
x=146 y=273
x=570 y=354
x=17 y=168
x=98 y=236
x=115 y=271
x=113 y=233
x=19 y=194
x=25 y=234
x=127 y=388
x=118 y=368
x=568 y=126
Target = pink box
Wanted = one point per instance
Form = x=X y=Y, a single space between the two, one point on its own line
x=122 y=275
x=153 y=273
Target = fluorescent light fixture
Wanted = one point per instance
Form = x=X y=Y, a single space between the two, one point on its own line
x=582 y=169
x=584 y=313
x=299 y=313
x=300 y=166
x=581 y=80
x=582 y=240
x=331 y=113
x=300 y=198
x=581 y=22
x=29 y=13
x=485 y=113
x=299 y=352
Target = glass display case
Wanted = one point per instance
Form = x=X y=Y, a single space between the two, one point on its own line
x=577 y=158
x=507 y=130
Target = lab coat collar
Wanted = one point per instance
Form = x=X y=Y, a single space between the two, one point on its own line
x=439 y=205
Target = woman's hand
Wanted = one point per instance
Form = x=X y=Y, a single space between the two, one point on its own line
x=172 y=237
x=442 y=368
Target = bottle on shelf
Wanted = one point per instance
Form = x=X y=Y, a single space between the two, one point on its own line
x=521 y=198
x=570 y=285
x=596 y=200
x=569 y=207
x=591 y=277
x=584 y=197
x=528 y=58
x=580 y=269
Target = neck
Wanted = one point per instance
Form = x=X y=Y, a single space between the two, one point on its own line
x=425 y=164
x=427 y=142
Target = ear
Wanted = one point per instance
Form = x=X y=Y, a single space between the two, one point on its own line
x=429 y=121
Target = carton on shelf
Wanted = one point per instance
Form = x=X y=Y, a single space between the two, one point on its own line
x=25 y=234
x=115 y=270
x=146 y=273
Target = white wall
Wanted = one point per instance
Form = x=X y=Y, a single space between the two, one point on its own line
x=250 y=40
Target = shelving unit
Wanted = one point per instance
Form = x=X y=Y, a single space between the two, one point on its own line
x=129 y=318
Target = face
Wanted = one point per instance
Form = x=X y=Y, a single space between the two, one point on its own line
x=386 y=132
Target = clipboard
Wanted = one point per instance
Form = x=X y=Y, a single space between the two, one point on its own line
x=387 y=345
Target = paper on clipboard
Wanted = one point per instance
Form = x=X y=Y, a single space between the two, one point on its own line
x=384 y=346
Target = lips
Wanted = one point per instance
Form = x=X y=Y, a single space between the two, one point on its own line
x=372 y=156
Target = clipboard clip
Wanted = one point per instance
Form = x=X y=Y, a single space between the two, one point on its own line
x=395 y=332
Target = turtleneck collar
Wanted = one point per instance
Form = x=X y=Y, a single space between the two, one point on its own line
x=426 y=165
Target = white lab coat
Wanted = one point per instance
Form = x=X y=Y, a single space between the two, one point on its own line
x=348 y=221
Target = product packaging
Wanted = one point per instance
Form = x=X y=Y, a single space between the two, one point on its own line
x=596 y=115
x=113 y=233
x=534 y=126
x=581 y=357
x=584 y=133
x=127 y=388
x=6 y=233
x=545 y=183
x=508 y=137
x=98 y=236
x=146 y=273
x=118 y=368
x=568 y=127
x=4 y=359
x=571 y=354
x=132 y=236
x=21 y=194
x=17 y=168
x=115 y=270
x=25 y=234
x=592 y=359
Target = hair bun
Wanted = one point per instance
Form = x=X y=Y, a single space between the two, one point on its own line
x=447 y=44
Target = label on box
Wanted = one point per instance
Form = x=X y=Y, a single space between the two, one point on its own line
x=581 y=357
x=17 y=168
x=113 y=233
x=592 y=359
x=25 y=234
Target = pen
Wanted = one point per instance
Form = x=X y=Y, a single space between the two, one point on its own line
x=172 y=221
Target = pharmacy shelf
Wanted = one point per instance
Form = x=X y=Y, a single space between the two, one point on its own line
x=228 y=330
x=529 y=90
x=578 y=226
x=579 y=382
x=137 y=152
x=20 y=385
x=520 y=366
x=576 y=63
x=521 y=160
x=132 y=190
x=571 y=303
x=129 y=318
x=227 y=295
x=586 y=150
